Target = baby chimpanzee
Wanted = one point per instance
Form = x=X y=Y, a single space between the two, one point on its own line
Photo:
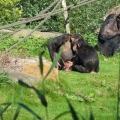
x=85 y=60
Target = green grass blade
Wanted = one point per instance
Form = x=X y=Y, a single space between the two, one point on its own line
x=17 y=113
x=54 y=63
x=60 y=115
x=24 y=84
x=72 y=111
x=2 y=110
x=118 y=92
x=30 y=111
x=41 y=62
x=91 y=116
x=41 y=97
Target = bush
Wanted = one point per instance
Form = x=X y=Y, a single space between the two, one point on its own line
x=9 y=11
x=84 y=19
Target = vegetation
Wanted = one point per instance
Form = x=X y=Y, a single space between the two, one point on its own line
x=9 y=11
x=75 y=95
x=84 y=19
x=74 y=92
x=85 y=92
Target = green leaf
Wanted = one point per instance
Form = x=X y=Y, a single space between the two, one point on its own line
x=41 y=97
x=30 y=111
x=23 y=84
x=17 y=113
x=54 y=63
x=60 y=115
x=72 y=111
x=41 y=62
x=2 y=110
x=91 y=116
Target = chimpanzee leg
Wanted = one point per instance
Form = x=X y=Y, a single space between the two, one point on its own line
x=107 y=49
x=110 y=46
x=96 y=66
x=80 y=68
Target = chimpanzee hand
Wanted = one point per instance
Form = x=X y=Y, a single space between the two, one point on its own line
x=67 y=65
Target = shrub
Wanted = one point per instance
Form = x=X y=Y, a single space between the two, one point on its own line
x=9 y=11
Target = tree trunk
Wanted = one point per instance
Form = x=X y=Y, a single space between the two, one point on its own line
x=66 y=16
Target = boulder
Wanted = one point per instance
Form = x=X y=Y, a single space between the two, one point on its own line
x=37 y=34
x=26 y=69
x=33 y=70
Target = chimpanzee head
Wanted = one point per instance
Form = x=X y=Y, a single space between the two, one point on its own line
x=77 y=44
x=118 y=21
x=75 y=38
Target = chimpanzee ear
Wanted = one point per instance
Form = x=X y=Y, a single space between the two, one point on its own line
x=72 y=38
x=78 y=45
x=118 y=17
x=68 y=37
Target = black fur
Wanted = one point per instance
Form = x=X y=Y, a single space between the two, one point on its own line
x=109 y=35
x=86 y=60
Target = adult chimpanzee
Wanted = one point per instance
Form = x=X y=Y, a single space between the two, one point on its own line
x=63 y=42
x=85 y=60
x=109 y=35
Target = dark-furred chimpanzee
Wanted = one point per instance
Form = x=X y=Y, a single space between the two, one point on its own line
x=63 y=42
x=86 y=59
x=109 y=35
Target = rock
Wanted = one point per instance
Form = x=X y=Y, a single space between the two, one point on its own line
x=33 y=70
x=15 y=76
x=37 y=34
x=26 y=69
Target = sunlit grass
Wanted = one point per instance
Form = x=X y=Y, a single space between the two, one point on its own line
x=96 y=92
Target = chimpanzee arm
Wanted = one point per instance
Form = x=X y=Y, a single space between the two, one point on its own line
x=109 y=32
x=110 y=27
x=54 y=44
x=51 y=49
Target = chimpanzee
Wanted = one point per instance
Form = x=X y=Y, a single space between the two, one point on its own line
x=85 y=60
x=63 y=42
x=109 y=35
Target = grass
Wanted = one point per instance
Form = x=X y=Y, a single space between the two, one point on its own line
x=86 y=92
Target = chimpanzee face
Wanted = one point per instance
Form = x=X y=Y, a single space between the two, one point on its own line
x=77 y=44
x=118 y=21
x=75 y=38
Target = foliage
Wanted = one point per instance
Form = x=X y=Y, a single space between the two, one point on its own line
x=9 y=11
x=84 y=19
x=29 y=47
x=4 y=79
x=83 y=91
x=91 y=38
x=42 y=98
x=88 y=96
x=32 y=8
